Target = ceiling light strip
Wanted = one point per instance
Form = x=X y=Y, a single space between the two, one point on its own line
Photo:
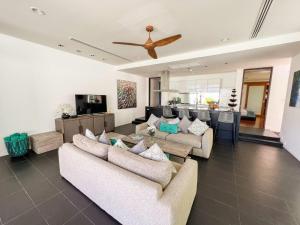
x=261 y=17
x=99 y=49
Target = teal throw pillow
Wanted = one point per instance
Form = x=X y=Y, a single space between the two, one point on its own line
x=169 y=128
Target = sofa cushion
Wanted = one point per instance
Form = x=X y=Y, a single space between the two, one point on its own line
x=119 y=143
x=198 y=128
x=91 y=146
x=157 y=171
x=152 y=120
x=158 y=134
x=104 y=138
x=169 y=128
x=173 y=121
x=138 y=148
x=155 y=153
x=184 y=124
x=90 y=134
x=188 y=139
x=159 y=121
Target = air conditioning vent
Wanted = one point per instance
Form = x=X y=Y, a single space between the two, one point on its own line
x=99 y=49
x=264 y=9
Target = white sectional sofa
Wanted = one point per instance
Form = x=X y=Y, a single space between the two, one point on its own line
x=202 y=145
x=130 y=198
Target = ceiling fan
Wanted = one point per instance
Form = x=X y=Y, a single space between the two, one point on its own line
x=150 y=45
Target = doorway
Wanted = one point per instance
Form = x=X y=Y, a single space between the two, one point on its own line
x=154 y=91
x=255 y=97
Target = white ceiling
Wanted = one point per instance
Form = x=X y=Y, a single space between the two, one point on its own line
x=99 y=22
x=221 y=63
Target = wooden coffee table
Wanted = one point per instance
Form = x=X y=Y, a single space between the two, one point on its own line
x=173 y=148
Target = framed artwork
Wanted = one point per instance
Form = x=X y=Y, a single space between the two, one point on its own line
x=126 y=94
x=295 y=93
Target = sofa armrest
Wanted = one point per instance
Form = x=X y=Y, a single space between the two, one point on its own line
x=140 y=127
x=179 y=195
x=207 y=142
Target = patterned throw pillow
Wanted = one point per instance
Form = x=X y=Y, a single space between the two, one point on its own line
x=90 y=135
x=138 y=148
x=104 y=138
x=121 y=144
x=155 y=153
x=184 y=124
x=152 y=120
x=198 y=128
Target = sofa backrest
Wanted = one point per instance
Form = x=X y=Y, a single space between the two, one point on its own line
x=157 y=171
x=94 y=147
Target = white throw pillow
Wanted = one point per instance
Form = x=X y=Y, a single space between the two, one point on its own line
x=184 y=124
x=90 y=135
x=155 y=153
x=174 y=121
x=197 y=127
x=119 y=143
x=104 y=138
x=138 y=148
x=152 y=120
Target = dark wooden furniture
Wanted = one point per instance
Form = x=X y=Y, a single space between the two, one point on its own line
x=96 y=123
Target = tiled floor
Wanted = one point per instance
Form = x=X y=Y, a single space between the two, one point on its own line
x=247 y=184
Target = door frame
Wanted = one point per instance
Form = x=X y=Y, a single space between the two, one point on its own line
x=249 y=84
x=270 y=87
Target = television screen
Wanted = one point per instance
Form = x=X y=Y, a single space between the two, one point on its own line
x=88 y=104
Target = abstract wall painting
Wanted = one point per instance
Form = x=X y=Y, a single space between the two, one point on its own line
x=295 y=93
x=126 y=91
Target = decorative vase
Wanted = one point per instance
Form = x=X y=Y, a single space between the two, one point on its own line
x=232 y=100
x=151 y=131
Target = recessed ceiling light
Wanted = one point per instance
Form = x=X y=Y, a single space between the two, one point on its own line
x=38 y=11
x=190 y=69
x=103 y=59
x=92 y=55
x=226 y=63
x=60 y=45
x=225 y=39
x=205 y=66
x=78 y=50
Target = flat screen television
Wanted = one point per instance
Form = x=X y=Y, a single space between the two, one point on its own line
x=88 y=104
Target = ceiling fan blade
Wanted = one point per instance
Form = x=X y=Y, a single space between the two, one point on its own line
x=167 y=40
x=127 y=43
x=152 y=53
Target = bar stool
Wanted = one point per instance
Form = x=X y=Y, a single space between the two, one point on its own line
x=226 y=118
x=204 y=116
x=167 y=112
x=184 y=112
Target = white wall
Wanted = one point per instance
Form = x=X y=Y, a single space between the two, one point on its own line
x=291 y=117
x=35 y=79
x=278 y=91
x=281 y=70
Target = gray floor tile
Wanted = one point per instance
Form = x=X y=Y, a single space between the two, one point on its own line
x=32 y=217
x=13 y=205
x=57 y=210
